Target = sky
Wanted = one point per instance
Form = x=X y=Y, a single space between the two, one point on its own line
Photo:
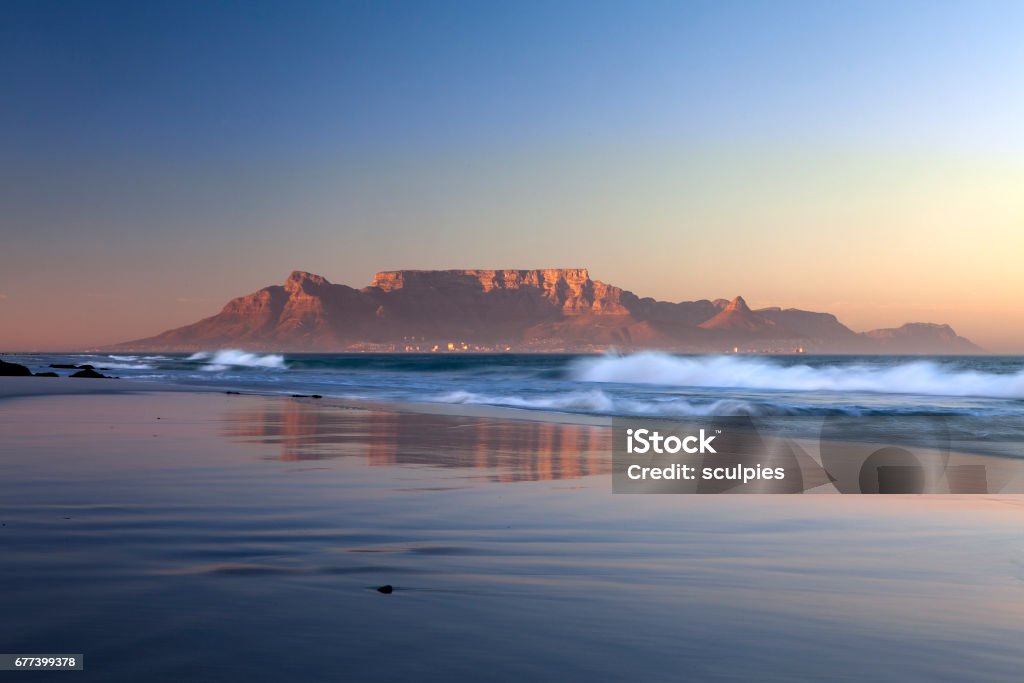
x=159 y=158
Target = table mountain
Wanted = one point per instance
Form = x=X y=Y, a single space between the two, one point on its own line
x=560 y=309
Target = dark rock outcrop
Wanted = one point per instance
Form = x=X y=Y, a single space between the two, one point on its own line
x=90 y=373
x=13 y=370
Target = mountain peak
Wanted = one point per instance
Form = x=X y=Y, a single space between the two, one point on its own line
x=738 y=305
x=737 y=316
x=300 y=280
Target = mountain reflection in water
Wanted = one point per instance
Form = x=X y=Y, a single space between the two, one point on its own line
x=507 y=450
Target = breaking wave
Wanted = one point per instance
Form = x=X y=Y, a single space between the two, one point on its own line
x=124 y=365
x=598 y=402
x=218 y=361
x=919 y=377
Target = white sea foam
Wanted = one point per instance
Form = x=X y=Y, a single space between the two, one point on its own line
x=123 y=366
x=597 y=401
x=733 y=372
x=235 y=358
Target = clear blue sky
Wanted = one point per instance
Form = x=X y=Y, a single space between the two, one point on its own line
x=161 y=157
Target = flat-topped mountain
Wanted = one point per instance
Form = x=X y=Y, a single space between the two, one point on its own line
x=560 y=309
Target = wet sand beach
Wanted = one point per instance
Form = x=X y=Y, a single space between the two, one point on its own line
x=209 y=536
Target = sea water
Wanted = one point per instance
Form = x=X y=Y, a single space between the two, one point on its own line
x=641 y=384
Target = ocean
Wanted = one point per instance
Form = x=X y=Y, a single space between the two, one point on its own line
x=649 y=384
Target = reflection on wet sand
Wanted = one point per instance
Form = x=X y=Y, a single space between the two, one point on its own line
x=509 y=450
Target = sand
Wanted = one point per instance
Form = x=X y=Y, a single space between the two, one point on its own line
x=24 y=387
x=196 y=535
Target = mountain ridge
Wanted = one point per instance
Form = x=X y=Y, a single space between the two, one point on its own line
x=545 y=310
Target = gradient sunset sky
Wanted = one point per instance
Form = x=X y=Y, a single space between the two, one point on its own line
x=159 y=158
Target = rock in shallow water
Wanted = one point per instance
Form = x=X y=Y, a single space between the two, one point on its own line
x=13 y=370
x=90 y=373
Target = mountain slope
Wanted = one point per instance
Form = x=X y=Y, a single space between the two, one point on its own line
x=737 y=316
x=921 y=338
x=559 y=309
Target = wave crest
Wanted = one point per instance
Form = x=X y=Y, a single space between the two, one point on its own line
x=236 y=358
x=920 y=377
x=598 y=402
x=124 y=365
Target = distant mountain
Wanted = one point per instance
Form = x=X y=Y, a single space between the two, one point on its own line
x=737 y=316
x=811 y=325
x=921 y=338
x=519 y=310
